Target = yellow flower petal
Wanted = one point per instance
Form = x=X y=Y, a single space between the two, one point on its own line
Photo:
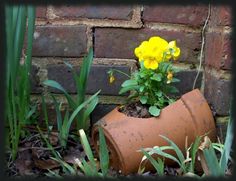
x=176 y=54
x=111 y=79
x=151 y=64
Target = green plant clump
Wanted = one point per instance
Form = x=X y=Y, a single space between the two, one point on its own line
x=18 y=107
x=81 y=85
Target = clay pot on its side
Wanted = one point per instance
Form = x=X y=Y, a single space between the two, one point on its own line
x=190 y=116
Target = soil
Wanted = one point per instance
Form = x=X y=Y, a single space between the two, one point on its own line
x=34 y=158
x=135 y=109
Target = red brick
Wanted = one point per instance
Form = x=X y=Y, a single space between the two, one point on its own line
x=218 y=93
x=95 y=12
x=220 y=16
x=188 y=15
x=41 y=11
x=98 y=78
x=120 y=43
x=63 y=41
x=218 y=50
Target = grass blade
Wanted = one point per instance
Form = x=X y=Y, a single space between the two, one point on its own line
x=87 y=148
x=58 y=112
x=91 y=106
x=103 y=153
x=56 y=85
x=81 y=106
x=84 y=73
x=157 y=165
x=176 y=149
x=227 y=146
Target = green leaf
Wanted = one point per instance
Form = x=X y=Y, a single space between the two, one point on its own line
x=193 y=152
x=141 y=88
x=212 y=161
x=227 y=145
x=172 y=89
x=83 y=76
x=58 y=112
x=56 y=85
x=31 y=112
x=158 y=93
x=157 y=77
x=129 y=88
x=103 y=153
x=158 y=165
x=159 y=151
x=63 y=133
x=175 y=80
x=143 y=99
x=177 y=151
x=129 y=83
x=154 y=111
x=91 y=106
x=76 y=111
x=87 y=148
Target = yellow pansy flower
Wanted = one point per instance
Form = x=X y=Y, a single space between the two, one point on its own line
x=150 y=64
x=174 y=50
x=139 y=51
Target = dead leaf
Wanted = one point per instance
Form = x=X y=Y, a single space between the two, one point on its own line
x=205 y=144
x=46 y=164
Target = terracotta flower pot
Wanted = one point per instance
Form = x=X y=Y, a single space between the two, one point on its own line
x=190 y=116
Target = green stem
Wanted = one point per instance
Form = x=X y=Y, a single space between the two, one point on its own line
x=121 y=72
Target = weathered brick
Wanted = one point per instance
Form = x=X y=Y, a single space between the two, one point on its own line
x=98 y=78
x=34 y=79
x=95 y=12
x=189 y=15
x=218 y=50
x=63 y=41
x=220 y=15
x=41 y=11
x=100 y=111
x=187 y=78
x=120 y=43
x=218 y=94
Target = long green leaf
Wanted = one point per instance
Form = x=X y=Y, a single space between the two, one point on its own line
x=177 y=151
x=193 y=152
x=227 y=146
x=212 y=161
x=128 y=88
x=58 y=112
x=103 y=152
x=64 y=133
x=157 y=164
x=158 y=151
x=87 y=148
x=91 y=106
x=56 y=85
x=84 y=72
x=75 y=112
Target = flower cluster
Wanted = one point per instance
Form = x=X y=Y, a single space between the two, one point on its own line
x=155 y=51
x=152 y=83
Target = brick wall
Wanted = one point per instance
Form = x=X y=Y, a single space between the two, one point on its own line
x=67 y=32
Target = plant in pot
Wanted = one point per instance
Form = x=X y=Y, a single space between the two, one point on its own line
x=151 y=111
